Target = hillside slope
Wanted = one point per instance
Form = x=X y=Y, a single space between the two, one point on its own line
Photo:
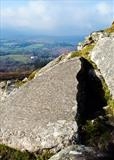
x=69 y=101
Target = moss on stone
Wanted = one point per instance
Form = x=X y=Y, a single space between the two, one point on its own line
x=84 y=52
x=45 y=155
x=97 y=134
x=110 y=29
x=19 y=83
x=7 y=153
x=32 y=75
x=75 y=54
x=60 y=58
x=110 y=101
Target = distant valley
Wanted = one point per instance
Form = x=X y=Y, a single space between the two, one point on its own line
x=18 y=58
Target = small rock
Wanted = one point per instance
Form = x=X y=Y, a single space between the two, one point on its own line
x=75 y=153
x=2 y=84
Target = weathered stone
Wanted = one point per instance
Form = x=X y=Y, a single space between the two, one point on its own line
x=69 y=153
x=41 y=113
x=103 y=56
x=2 y=84
x=2 y=90
x=92 y=38
x=80 y=152
x=25 y=79
x=6 y=87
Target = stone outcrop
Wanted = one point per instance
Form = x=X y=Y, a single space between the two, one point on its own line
x=74 y=152
x=65 y=104
x=92 y=38
x=41 y=114
x=103 y=56
x=80 y=152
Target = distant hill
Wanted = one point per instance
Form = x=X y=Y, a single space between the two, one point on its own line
x=10 y=34
x=28 y=55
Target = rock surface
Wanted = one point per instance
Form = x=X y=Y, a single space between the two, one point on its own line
x=103 y=56
x=72 y=153
x=92 y=38
x=6 y=87
x=81 y=152
x=41 y=114
x=2 y=90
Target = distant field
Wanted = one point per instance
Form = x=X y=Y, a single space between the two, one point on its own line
x=20 y=58
x=15 y=55
x=15 y=48
x=35 y=46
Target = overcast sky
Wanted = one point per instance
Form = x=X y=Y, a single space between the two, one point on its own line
x=56 y=17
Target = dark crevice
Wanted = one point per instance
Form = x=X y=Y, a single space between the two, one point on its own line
x=90 y=96
x=90 y=99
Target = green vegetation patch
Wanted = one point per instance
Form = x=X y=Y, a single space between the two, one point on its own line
x=84 y=52
x=19 y=83
x=32 y=75
x=7 y=153
x=34 y=46
x=97 y=134
x=110 y=101
x=20 y=58
x=110 y=29
x=45 y=155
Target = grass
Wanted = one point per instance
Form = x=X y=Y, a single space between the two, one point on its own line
x=84 y=52
x=110 y=29
x=75 y=54
x=45 y=155
x=20 y=58
x=19 y=83
x=7 y=153
x=32 y=75
x=97 y=134
x=34 y=46
x=110 y=101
